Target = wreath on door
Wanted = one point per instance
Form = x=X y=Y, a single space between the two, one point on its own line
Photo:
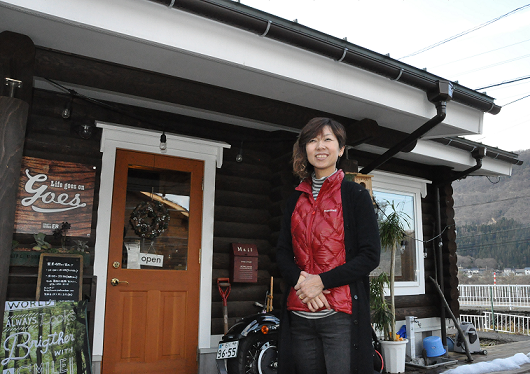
x=149 y=219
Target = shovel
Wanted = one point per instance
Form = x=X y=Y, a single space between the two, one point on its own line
x=223 y=284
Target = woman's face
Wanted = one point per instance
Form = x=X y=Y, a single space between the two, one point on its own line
x=323 y=152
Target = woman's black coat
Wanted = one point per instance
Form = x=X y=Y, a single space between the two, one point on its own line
x=361 y=239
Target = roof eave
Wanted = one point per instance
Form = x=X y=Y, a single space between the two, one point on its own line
x=268 y=25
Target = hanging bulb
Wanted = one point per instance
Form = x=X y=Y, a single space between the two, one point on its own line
x=403 y=246
x=67 y=111
x=239 y=156
x=163 y=141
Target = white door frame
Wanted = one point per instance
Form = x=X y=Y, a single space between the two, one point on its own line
x=123 y=137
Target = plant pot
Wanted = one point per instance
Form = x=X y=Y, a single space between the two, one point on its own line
x=394 y=355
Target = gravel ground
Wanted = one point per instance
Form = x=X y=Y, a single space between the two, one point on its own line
x=501 y=338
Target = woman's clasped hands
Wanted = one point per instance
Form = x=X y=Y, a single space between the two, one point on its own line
x=310 y=290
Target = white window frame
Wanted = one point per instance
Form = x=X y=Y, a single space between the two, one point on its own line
x=417 y=188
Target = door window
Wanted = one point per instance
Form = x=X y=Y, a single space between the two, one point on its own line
x=156 y=222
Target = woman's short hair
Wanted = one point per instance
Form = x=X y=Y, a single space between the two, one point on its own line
x=301 y=166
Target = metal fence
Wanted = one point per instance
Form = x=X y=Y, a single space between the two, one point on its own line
x=509 y=296
x=501 y=322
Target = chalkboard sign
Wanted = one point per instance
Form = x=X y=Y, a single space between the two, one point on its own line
x=60 y=277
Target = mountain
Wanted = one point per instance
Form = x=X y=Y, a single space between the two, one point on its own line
x=480 y=200
x=492 y=220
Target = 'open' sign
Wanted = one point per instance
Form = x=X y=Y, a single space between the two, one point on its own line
x=151 y=259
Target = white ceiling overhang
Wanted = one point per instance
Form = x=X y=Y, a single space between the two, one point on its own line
x=430 y=153
x=149 y=36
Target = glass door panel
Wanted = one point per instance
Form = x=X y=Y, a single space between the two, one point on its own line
x=156 y=221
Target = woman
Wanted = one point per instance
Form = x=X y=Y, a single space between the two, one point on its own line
x=328 y=244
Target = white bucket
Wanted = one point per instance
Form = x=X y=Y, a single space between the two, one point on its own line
x=394 y=355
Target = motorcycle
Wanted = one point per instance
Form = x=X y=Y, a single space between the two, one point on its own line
x=250 y=346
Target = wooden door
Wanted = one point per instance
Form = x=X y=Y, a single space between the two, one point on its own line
x=151 y=317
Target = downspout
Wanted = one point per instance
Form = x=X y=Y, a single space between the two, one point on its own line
x=478 y=154
x=440 y=97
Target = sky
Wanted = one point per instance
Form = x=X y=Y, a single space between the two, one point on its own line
x=492 y=54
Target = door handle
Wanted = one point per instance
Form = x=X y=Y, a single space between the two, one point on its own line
x=116 y=281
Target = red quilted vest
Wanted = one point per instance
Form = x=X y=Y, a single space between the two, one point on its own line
x=317 y=230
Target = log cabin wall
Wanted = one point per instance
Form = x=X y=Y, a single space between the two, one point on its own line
x=449 y=248
x=283 y=184
x=241 y=216
x=49 y=136
x=242 y=189
x=249 y=196
x=248 y=206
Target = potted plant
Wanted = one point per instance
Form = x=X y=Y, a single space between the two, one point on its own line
x=381 y=315
x=392 y=232
x=29 y=254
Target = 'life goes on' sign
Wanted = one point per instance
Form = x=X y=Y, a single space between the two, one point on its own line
x=51 y=192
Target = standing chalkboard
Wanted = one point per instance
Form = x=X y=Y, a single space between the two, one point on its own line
x=60 y=277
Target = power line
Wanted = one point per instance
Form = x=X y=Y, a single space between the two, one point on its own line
x=493 y=65
x=490 y=202
x=493 y=232
x=504 y=82
x=464 y=32
x=469 y=247
x=480 y=54
x=521 y=98
x=492 y=182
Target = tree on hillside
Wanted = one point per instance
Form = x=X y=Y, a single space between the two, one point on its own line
x=506 y=241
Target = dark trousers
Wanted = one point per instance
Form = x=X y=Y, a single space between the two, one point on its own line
x=321 y=345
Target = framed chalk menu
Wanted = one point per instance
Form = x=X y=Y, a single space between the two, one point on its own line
x=60 y=277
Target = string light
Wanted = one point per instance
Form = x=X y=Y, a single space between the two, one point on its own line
x=163 y=141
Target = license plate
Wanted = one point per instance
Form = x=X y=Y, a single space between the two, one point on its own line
x=227 y=350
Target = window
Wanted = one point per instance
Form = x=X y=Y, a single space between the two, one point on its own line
x=405 y=193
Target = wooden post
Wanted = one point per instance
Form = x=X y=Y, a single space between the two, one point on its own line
x=13 y=117
x=16 y=62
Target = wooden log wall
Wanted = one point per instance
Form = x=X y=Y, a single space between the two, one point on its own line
x=241 y=216
x=283 y=184
x=66 y=68
x=249 y=195
x=449 y=248
x=49 y=136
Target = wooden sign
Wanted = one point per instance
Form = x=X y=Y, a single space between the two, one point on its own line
x=244 y=261
x=60 y=277
x=51 y=192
